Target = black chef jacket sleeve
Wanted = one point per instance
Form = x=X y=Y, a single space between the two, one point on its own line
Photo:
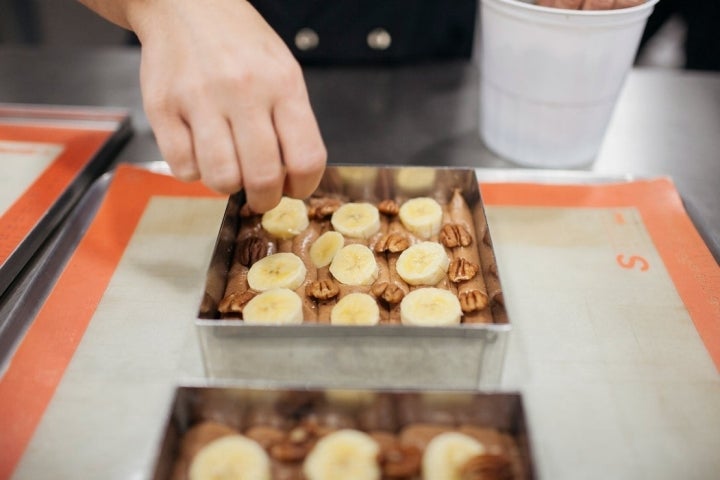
x=372 y=31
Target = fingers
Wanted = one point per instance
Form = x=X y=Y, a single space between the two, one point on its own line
x=197 y=144
x=233 y=117
x=303 y=150
x=214 y=150
x=259 y=154
x=174 y=140
x=267 y=153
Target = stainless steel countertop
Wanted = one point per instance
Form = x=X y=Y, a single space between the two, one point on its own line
x=666 y=122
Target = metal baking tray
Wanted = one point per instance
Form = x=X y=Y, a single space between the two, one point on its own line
x=118 y=125
x=387 y=410
x=396 y=356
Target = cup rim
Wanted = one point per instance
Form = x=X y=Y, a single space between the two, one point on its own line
x=580 y=13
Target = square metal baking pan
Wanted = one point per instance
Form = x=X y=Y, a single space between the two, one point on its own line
x=397 y=356
x=385 y=410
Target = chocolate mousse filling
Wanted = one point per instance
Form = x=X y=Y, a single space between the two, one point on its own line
x=472 y=275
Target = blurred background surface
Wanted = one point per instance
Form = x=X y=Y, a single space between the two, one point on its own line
x=65 y=23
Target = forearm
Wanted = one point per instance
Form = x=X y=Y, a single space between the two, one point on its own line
x=114 y=10
x=128 y=14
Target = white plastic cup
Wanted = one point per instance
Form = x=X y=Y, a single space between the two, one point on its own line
x=550 y=78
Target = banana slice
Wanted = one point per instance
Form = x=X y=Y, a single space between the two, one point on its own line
x=421 y=216
x=344 y=454
x=358 y=175
x=446 y=454
x=356 y=220
x=324 y=249
x=287 y=219
x=415 y=181
x=424 y=263
x=430 y=307
x=279 y=306
x=230 y=458
x=355 y=309
x=280 y=270
x=354 y=265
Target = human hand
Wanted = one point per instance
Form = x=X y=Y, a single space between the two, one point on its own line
x=589 y=4
x=226 y=99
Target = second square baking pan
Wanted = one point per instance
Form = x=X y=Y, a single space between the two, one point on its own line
x=485 y=435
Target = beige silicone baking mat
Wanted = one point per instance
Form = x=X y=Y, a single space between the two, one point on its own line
x=610 y=290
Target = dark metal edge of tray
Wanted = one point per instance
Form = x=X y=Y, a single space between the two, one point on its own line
x=30 y=272
x=60 y=208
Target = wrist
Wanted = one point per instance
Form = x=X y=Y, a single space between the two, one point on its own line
x=147 y=16
x=141 y=14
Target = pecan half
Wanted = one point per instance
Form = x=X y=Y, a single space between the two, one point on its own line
x=323 y=207
x=393 y=294
x=400 y=461
x=322 y=289
x=289 y=452
x=378 y=288
x=251 y=250
x=392 y=242
x=487 y=466
x=387 y=291
x=455 y=235
x=235 y=302
x=295 y=446
x=473 y=300
x=388 y=207
x=460 y=270
x=266 y=436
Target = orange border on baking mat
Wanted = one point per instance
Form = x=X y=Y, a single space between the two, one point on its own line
x=79 y=147
x=39 y=363
x=688 y=260
x=49 y=345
